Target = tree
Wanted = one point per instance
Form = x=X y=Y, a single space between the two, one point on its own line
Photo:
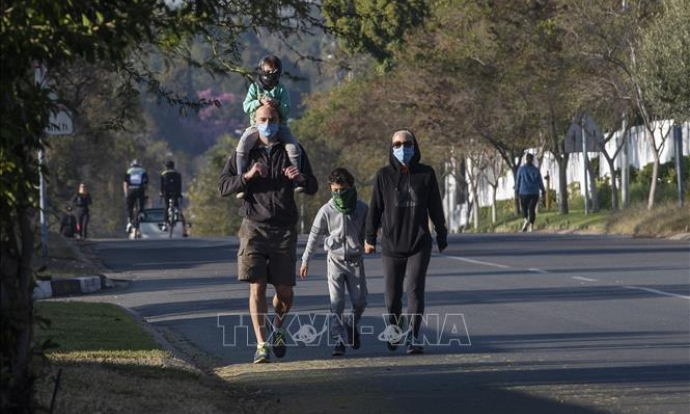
x=664 y=62
x=381 y=32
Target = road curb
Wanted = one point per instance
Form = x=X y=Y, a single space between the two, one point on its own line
x=81 y=285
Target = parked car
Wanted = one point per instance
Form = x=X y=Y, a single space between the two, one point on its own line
x=153 y=226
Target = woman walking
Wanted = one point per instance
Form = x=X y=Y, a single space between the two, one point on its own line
x=81 y=201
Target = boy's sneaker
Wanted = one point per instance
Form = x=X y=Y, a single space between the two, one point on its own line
x=261 y=355
x=240 y=195
x=353 y=336
x=339 y=349
x=278 y=342
x=525 y=225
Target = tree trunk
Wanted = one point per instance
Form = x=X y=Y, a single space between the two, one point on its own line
x=614 y=184
x=475 y=201
x=17 y=315
x=593 y=191
x=655 y=175
x=516 y=199
x=562 y=161
x=494 y=216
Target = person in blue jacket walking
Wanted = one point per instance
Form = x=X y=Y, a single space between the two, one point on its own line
x=527 y=187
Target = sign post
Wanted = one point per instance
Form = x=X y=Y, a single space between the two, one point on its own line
x=60 y=123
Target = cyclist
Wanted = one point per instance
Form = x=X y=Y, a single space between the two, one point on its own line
x=135 y=188
x=171 y=187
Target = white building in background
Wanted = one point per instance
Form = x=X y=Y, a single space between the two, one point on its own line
x=640 y=154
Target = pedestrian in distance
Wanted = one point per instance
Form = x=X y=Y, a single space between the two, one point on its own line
x=529 y=184
x=405 y=196
x=342 y=221
x=82 y=200
x=68 y=223
x=268 y=234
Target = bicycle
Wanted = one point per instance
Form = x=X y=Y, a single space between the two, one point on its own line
x=174 y=216
x=136 y=212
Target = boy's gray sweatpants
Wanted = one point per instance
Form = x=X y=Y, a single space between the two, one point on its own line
x=344 y=274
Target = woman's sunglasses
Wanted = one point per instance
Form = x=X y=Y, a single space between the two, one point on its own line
x=406 y=144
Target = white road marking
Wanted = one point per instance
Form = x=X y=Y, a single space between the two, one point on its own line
x=658 y=292
x=586 y=279
x=479 y=262
x=174 y=262
x=543 y=272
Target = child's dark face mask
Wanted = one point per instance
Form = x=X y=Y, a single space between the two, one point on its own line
x=268 y=80
x=345 y=199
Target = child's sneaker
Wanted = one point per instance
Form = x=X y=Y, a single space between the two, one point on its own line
x=353 y=336
x=339 y=349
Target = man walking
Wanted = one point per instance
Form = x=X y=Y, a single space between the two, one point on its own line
x=404 y=197
x=268 y=237
x=527 y=187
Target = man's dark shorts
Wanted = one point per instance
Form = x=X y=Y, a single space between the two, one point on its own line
x=267 y=253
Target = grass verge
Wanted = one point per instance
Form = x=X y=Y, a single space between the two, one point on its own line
x=664 y=220
x=110 y=364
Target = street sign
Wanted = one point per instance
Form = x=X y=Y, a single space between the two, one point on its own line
x=60 y=124
x=573 y=138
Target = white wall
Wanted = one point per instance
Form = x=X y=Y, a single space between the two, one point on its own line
x=639 y=150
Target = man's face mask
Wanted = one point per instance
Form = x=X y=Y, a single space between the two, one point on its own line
x=345 y=199
x=268 y=130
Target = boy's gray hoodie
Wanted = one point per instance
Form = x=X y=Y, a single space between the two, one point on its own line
x=344 y=232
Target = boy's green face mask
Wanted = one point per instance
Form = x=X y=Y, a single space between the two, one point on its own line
x=345 y=199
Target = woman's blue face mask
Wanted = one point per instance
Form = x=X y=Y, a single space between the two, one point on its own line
x=403 y=154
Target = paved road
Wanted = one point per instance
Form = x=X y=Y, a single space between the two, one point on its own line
x=550 y=324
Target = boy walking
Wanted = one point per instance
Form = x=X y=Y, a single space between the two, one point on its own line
x=342 y=220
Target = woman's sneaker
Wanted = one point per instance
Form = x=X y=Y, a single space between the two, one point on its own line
x=261 y=355
x=414 y=346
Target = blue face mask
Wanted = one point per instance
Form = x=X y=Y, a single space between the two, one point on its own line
x=403 y=154
x=268 y=130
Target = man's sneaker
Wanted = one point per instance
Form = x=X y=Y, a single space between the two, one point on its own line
x=353 y=336
x=278 y=342
x=261 y=355
x=525 y=225
x=128 y=229
x=339 y=349
x=240 y=195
